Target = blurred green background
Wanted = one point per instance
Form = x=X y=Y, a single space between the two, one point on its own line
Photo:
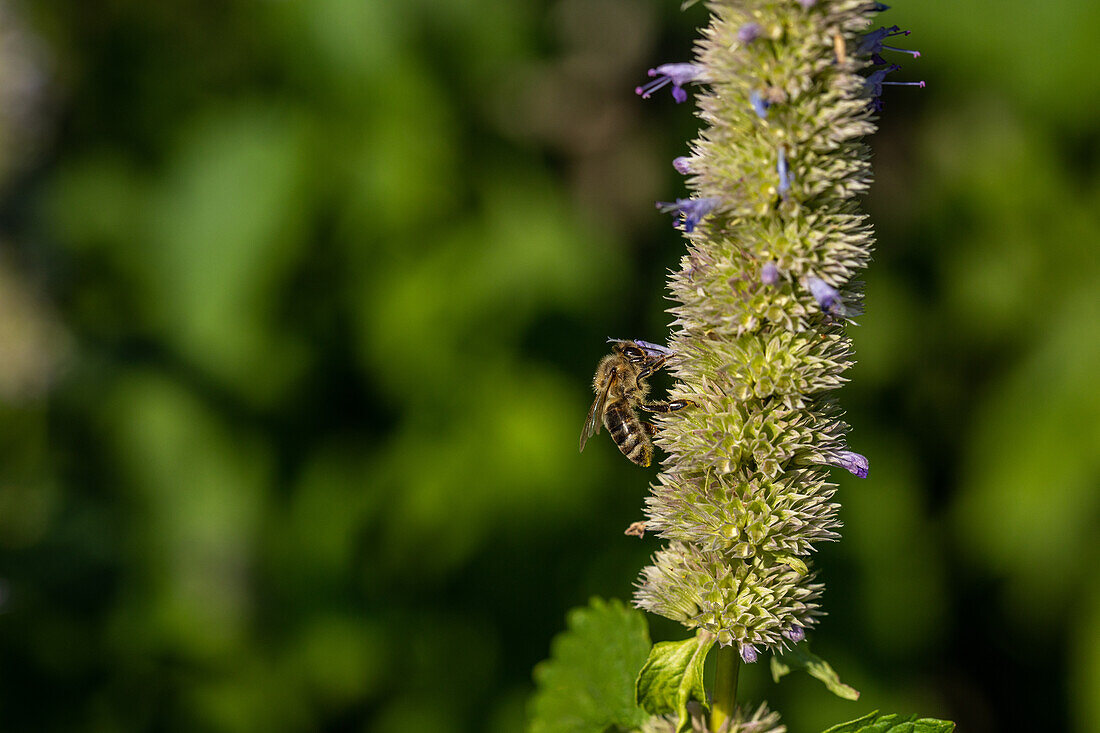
x=299 y=305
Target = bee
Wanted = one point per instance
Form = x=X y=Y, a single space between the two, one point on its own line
x=621 y=391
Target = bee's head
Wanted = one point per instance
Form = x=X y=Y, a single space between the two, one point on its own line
x=629 y=350
x=637 y=352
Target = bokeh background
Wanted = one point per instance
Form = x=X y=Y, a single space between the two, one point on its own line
x=299 y=305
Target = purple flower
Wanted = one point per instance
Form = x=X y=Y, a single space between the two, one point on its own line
x=872 y=43
x=796 y=633
x=807 y=3
x=748 y=653
x=784 y=174
x=852 y=462
x=693 y=210
x=875 y=81
x=874 y=84
x=749 y=32
x=826 y=296
x=759 y=104
x=675 y=74
x=769 y=274
x=682 y=165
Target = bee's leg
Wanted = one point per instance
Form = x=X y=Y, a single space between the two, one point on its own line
x=666 y=405
x=651 y=366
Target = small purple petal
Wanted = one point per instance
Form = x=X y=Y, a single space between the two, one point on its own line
x=748 y=653
x=682 y=165
x=807 y=3
x=681 y=73
x=853 y=463
x=654 y=349
x=749 y=32
x=676 y=74
x=769 y=274
x=692 y=210
x=826 y=296
x=874 y=84
x=875 y=81
x=880 y=7
x=872 y=43
x=784 y=174
x=759 y=104
x=796 y=633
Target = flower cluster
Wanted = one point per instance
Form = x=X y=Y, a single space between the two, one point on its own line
x=762 y=299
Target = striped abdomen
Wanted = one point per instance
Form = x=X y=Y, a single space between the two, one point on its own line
x=628 y=432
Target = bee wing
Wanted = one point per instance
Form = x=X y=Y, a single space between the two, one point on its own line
x=595 y=413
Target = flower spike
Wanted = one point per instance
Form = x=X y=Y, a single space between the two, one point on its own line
x=761 y=301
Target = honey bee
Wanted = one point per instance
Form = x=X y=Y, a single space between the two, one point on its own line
x=621 y=391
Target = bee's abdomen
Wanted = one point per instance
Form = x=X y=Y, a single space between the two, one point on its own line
x=628 y=433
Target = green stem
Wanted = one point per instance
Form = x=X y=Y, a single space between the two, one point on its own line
x=728 y=663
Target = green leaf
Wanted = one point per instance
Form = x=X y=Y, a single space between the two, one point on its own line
x=673 y=675
x=893 y=723
x=800 y=657
x=587 y=685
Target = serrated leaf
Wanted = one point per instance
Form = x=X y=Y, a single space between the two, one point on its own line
x=852 y=725
x=587 y=685
x=673 y=675
x=893 y=723
x=800 y=657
